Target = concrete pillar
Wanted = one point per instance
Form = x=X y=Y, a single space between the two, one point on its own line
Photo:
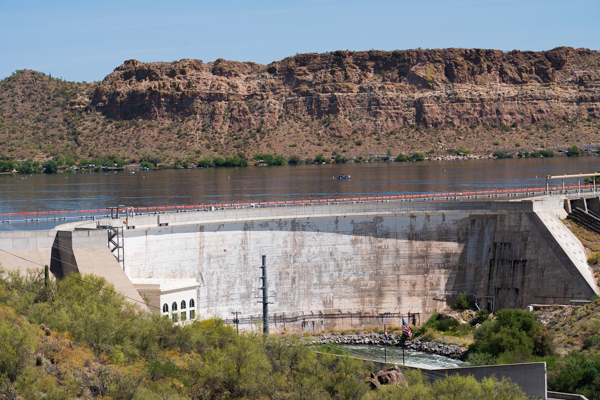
x=568 y=206
x=593 y=204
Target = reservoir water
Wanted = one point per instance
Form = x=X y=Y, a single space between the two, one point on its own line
x=81 y=191
x=412 y=358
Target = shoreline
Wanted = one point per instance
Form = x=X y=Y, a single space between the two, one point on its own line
x=367 y=160
x=377 y=339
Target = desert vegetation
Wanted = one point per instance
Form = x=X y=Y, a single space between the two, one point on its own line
x=78 y=338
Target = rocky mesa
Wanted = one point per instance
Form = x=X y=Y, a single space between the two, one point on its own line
x=371 y=90
x=342 y=102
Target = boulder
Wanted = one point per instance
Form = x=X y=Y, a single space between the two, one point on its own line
x=390 y=376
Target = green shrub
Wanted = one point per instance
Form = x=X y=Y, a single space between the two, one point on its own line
x=514 y=334
x=279 y=160
x=432 y=322
x=50 y=167
x=401 y=157
x=235 y=161
x=573 y=151
x=594 y=258
x=542 y=153
x=482 y=315
x=464 y=329
x=146 y=164
x=294 y=160
x=501 y=154
x=16 y=345
x=7 y=166
x=447 y=324
x=320 y=159
x=420 y=156
x=462 y=301
x=270 y=159
x=219 y=162
x=28 y=167
x=576 y=373
x=591 y=341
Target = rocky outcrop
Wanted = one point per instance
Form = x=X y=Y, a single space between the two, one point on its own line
x=419 y=344
x=390 y=376
x=373 y=90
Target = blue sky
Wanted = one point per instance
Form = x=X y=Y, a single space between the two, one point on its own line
x=86 y=40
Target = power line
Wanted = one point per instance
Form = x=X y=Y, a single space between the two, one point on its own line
x=396 y=272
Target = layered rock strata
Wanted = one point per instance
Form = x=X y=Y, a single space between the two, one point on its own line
x=372 y=90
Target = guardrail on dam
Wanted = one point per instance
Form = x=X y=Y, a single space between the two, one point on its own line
x=378 y=258
x=336 y=265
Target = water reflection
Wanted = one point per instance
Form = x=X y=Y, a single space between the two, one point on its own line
x=253 y=184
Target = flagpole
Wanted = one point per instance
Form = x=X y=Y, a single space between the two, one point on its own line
x=405 y=332
x=385 y=344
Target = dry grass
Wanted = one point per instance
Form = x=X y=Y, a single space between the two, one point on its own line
x=589 y=239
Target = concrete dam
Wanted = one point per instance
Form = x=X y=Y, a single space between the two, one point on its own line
x=337 y=265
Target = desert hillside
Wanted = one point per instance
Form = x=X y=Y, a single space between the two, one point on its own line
x=350 y=103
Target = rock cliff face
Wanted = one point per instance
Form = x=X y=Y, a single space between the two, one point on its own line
x=347 y=91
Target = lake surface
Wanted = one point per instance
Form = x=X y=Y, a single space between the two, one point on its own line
x=84 y=191
x=412 y=358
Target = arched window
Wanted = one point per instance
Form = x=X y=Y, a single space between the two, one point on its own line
x=165 y=307
x=174 y=306
x=183 y=304
x=192 y=304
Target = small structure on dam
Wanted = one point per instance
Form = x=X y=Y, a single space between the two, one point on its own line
x=355 y=264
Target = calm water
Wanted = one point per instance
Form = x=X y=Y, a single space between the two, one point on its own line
x=255 y=184
x=394 y=355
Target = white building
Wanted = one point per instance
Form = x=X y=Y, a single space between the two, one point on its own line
x=176 y=298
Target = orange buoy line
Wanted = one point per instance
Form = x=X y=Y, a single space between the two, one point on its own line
x=64 y=214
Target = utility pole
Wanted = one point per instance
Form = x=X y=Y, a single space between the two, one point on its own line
x=46 y=283
x=265 y=299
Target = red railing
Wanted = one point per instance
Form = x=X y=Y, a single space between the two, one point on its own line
x=410 y=197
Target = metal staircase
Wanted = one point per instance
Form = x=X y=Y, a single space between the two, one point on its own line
x=115 y=244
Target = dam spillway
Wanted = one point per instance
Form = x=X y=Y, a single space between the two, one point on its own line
x=376 y=258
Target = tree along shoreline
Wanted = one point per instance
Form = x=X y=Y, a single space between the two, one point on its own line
x=394 y=340
x=116 y=163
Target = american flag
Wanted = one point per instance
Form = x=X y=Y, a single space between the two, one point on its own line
x=386 y=335
x=406 y=329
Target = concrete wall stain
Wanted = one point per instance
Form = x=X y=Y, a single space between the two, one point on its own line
x=390 y=256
